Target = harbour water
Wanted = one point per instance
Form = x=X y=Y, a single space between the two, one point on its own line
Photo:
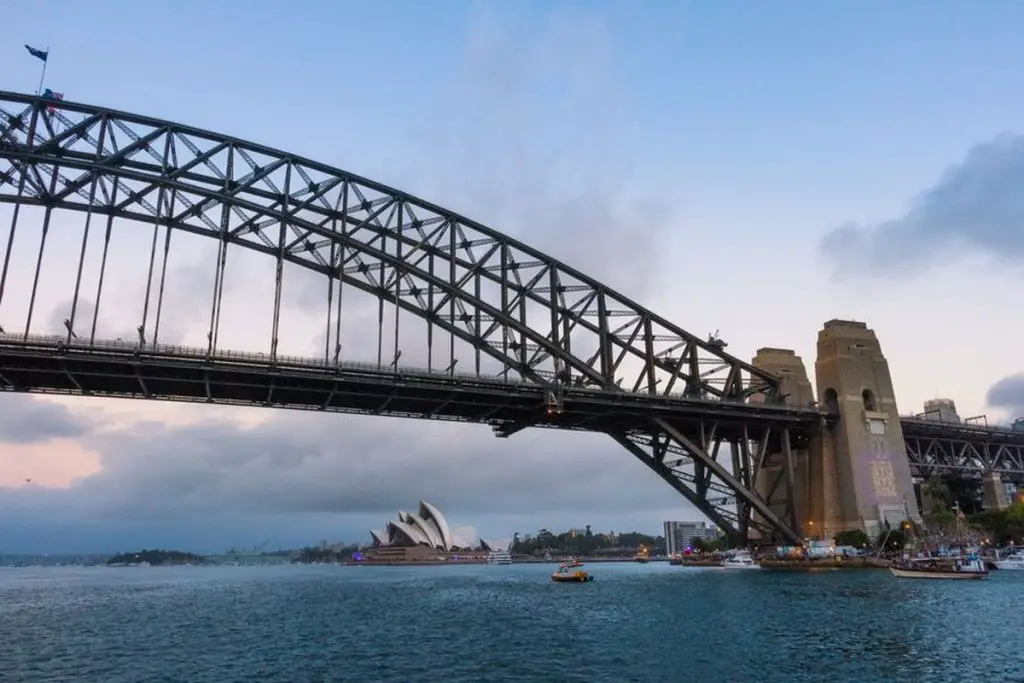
x=636 y=622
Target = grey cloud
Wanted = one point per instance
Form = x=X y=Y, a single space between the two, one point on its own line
x=297 y=463
x=976 y=205
x=1008 y=395
x=28 y=420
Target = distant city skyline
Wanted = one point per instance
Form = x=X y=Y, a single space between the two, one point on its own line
x=850 y=161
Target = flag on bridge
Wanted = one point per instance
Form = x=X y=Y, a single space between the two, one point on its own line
x=38 y=54
x=51 y=95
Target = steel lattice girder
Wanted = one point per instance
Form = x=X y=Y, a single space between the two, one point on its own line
x=966 y=449
x=728 y=498
x=542 y=320
x=937 y=455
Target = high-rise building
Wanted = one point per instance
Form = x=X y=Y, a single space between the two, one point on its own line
x=679 y=535
x=941 y=410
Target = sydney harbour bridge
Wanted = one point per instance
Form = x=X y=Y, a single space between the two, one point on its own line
x=467 y=324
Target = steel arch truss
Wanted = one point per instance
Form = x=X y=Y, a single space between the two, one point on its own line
x=691 y=461
x=526 y=316
x=541 y=320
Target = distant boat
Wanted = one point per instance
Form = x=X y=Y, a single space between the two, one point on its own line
x=1014 y=561
x=969 y=566
x=570 y=572
x=741 y=560
x=642 y=555
x=499 y=556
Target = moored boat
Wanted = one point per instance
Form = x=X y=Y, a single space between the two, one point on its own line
x=500 y=556
x=1013 y=561
x=570 y=572
x=961 y=568
x=741 y=559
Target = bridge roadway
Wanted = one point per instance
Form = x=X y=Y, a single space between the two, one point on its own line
x=50 y=364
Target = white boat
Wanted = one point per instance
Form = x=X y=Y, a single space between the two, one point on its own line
x=741 y=560
x=499 y=557
x=960 y=568
x=1014 y=560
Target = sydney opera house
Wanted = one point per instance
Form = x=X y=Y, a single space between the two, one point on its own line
x=424 y=536
x=429 y=529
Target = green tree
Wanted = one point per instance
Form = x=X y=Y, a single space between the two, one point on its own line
x=968 y=494
x=1001 y=526
x=938 y=495
x=892 y=540
x=1014 y=516
x=943 y=521
x=853 y=537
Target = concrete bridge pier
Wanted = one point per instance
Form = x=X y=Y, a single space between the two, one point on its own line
x=786 y=476
x=994 y=492
x=865 y=447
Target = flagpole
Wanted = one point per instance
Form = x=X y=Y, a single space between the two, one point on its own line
x=42 y=76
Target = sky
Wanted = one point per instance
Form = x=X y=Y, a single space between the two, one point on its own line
x=751 y=169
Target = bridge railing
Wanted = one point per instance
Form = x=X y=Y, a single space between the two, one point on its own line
x=249 y=357
x=961 y=426
x=122 y=346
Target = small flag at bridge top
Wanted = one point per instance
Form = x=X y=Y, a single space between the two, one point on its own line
x=38 y=54
x=51 y=95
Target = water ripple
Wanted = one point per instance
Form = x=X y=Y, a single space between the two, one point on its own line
x=495 y=624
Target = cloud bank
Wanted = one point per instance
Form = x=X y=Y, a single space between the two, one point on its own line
x=342 y=470
x=976 y=206
x=1008 y=395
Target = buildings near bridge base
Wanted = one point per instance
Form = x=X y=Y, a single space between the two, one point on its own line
x=679 y=535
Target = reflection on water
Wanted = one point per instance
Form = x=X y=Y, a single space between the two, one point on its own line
x=637 y=622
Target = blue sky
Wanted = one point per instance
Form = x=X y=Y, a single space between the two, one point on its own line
x=747 y=132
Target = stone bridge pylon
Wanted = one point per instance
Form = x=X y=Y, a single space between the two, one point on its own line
x=855 y=473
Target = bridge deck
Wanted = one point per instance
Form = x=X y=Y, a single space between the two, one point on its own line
x=119 y=369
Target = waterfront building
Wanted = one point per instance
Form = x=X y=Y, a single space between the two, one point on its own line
x=427 y=528
x=679 y=535
x=424 y=536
